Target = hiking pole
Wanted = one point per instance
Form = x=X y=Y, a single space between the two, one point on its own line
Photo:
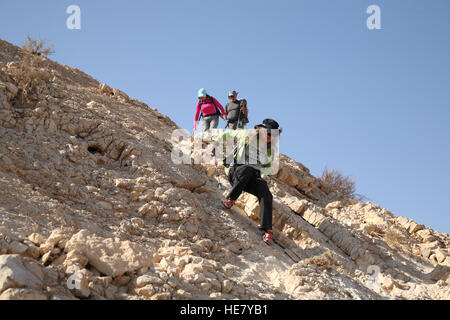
x=213 y=153
x=239 y=117
x=218 y=177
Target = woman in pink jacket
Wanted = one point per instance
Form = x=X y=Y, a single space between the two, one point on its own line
x=210 y=110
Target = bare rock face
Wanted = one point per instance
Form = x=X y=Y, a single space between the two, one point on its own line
x=93 y=207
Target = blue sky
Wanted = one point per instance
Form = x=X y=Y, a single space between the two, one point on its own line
x=374 y=104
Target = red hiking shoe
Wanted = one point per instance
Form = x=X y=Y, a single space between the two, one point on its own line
x=228 y=203
x=268 y=237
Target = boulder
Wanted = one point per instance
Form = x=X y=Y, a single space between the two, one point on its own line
x=124 y=183
x=110 y=256
x=36 y=238
x=17 y=247
x=104 y=88
x=387 y=283
x=3 y=245
x=375 y=218
x=438 y=273
x=162 y=296
x=56 y=236
x=110 y=292
x=22 y=294
x=252 y=207
x=9 y=89
x=414 y=227
x=206 y=243
x=425 y=235
x=427 y=248
x=227 y=286
x=148 y=279
x=33 y=251
x=75 y=257
x=146 y=291
x=334 y=205
x=183 y=176
x=409 y=225
x=19 y=272
x=288 y=176
x=440 y=255
x=295 y=204
x=148 y=210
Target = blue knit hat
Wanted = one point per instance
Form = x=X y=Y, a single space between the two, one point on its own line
x=202 y=93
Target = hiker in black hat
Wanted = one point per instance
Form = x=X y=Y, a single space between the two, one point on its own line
x=237 y=112
x=250 y=159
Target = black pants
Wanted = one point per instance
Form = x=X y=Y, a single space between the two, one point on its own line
x=248 y=179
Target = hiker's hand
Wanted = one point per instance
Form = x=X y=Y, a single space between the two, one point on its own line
x=224 y=116
x=193 y=131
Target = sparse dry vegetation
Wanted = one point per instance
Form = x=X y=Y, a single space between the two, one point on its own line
x=375 y=230
x=338 y=186
x=394 y=238
x=37 y=47
x=29 y=78
x=324 y=261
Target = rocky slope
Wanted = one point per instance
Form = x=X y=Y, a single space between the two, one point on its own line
x=92 y=207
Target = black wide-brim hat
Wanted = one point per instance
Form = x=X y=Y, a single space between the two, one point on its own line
x=269 y=124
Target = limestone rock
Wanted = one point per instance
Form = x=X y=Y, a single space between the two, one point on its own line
x=17 y=272
x=10 y=89
x=427 y=248
x=295 y=204
x=288 y=176
x=17 y=248
x=206 y=243
x=110 y=292
x=75 y=257
x=438 y=273
x=36 y=238
x=334 y=205
x=124 y=183
x=375 y=218
x=33 y=251
x=425 y=235
x=440 y=255
x=22 y=294
x=104 y=88
x=112 y=257
x=227 y=286
x=388 y=284
x=149 y=210
x=409 y=225
x=148 y=279
x=56 y=236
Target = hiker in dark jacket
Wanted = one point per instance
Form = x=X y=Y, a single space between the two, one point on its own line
x=246 y=168
x=236 y=112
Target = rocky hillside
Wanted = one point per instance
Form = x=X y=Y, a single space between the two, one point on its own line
x=92 y=207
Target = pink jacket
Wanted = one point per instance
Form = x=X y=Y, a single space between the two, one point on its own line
x=207 y=109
